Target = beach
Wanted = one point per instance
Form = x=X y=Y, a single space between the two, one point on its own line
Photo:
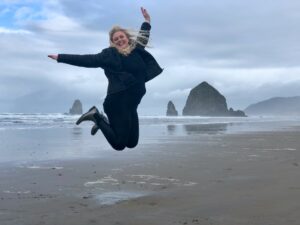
x=240 y=172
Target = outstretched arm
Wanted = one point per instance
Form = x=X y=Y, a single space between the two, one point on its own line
x=144 y=33
x=90 y=61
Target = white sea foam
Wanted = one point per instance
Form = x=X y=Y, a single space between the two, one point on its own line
x=153 y=177
x=44 y=167
x=279 y=149
x=156 y=184
x=16 y=192
x=38 y=120
x=104 y=180
x=110 y=198
x=158 y=181
x=189 y=184
x=49 y=120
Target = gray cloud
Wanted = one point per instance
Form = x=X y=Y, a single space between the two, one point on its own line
x=247 y=50
x=245 y=34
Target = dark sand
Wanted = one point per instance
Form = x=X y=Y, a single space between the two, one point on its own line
x=211 y=179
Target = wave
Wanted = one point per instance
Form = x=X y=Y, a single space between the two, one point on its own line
x=50 y=120
x=38 y=120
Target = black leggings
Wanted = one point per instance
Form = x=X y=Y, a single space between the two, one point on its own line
x=121 y=109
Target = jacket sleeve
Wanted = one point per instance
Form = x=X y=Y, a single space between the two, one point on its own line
x=145 y=33
x=90 y=61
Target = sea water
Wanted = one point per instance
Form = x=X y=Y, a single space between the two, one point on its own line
x=37 y=137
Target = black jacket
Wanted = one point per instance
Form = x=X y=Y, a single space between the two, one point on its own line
x=110 y=60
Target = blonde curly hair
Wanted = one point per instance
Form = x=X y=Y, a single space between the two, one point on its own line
x=133 y=36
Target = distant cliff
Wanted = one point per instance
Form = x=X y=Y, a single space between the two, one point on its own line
x=76 y=108
x=205 y=100
x=171 y=110
x=279 y=106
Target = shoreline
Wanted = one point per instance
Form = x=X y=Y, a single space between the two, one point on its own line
x=217 y=179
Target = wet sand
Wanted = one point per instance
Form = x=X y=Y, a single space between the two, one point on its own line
x=209 y=179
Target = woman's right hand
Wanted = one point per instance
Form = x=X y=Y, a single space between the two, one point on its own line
x=55 y=57
x=145 y=14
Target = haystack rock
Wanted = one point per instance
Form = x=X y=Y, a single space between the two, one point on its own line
x=171 y=110
x=76 y=108
x=205 y=100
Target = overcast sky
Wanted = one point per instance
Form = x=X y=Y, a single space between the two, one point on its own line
x=248 y=50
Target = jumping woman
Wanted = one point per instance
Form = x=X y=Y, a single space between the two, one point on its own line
x=127 y=66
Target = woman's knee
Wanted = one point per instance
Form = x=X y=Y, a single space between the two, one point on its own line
x=120 y=144
x=119 y=147
x=132 y=144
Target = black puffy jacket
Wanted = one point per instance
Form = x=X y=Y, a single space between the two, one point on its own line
x=109 y=59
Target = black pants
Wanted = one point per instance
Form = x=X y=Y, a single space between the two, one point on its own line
x=121 y=110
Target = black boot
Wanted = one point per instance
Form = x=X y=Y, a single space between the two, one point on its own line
x=100 y=117
x=88 y=116
x=94 y=129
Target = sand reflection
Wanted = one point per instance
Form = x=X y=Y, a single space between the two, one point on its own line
x=205 y=128
x=171 y=129
x=193 y=129
x=76 y=132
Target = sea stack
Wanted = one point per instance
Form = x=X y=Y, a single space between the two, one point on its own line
x=171 y=110
x=76 y=108
x=205 y=100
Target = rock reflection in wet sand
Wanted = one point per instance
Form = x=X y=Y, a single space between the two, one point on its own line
x=192 y=129
x=76 y=132
x=171 y=129
x=205 y=128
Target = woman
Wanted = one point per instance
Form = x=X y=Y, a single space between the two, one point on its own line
x=127 y=65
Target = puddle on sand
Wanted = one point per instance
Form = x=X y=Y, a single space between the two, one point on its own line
x=110 y=198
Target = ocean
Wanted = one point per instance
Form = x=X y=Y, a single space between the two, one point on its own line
x=29 y=138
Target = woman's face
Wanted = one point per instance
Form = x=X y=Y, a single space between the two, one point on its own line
x=120 y=39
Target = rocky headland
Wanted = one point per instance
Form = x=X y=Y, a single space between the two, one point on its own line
x=278 y=106
x=171 y=110
x=76 y=108
x=205 y=100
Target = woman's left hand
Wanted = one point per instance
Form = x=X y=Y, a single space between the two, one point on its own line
x=55 y=57
x=145 y=14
